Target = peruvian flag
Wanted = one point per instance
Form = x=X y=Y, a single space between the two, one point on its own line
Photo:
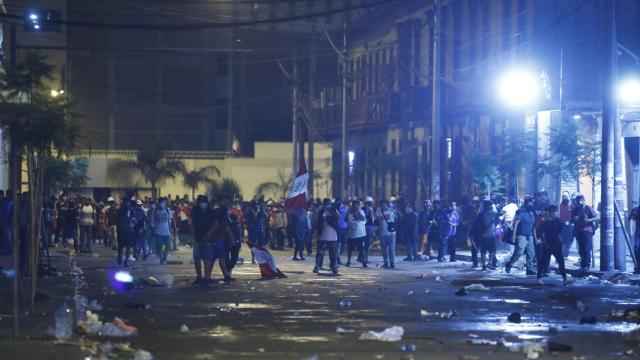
x=297 y=196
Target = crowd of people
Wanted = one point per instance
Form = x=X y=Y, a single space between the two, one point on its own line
x=136 y=228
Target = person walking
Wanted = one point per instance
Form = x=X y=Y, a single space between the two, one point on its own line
x=161 y=229
x=125 y=225
x=448 y=227
x=484 y=234
x=567 y=226
x=524 y=238
x=327 y=227
x=410 y=231
x=356 y=230
x=583 y=217
x=87 y=218
x=549 y=233
x=386 y=226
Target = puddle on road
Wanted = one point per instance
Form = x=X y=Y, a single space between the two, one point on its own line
x=508 y=301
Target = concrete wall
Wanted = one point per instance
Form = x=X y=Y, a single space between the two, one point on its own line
x=272 y=161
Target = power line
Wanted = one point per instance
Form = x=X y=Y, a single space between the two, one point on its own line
x=207 y=25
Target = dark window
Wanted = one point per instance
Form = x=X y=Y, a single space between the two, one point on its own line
x=222 y=108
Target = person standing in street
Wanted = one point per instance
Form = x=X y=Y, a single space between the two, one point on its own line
x=202 y=247
x=343 y=209
x=370 y=229
x=634 y=216
x=567 y=225
x=524 y=237
x=161 y=229
x=484 y=236
x=86 y=220
x=125 y=225
x=298 y=228
x=410 y=231
x=327 y=227
x=448 y=227
x=386 y=223
x=583 y=217
x=111 y=218
x=70 y=230
x=356 y=231
x=549 y=233
x=424 y=226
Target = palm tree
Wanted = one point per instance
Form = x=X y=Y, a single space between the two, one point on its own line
x=193 y=179
x=227 y=188
x=279 y=187
x=154 y=166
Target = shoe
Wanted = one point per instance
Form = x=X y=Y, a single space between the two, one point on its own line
x=364 y=265
x=131 y=258
x=348 y=264
x=452 y=260
x=491 y=267
x=484 y=268
x=295 y=259
x=335 y=272
x=507 y=268
x=529 y=272
x=303 y=258
x=119 y=261
x=474 y=266
x=385 y=266
x=539 y=281
x=407 y=259
x=126 y=264
x=440 y=259
x=316 y=270
x=198 y=282
x=392 y=266
x=567 y=281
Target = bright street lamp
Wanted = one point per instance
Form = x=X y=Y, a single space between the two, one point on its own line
x=55 y=93
x=629 y=92
x=519 y=88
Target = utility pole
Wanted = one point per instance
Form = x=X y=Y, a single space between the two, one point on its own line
x=311 y=121
x=343 y=147
x=294 y=114
x=608 y=120
x=436 y=131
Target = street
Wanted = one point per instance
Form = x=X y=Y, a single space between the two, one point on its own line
x=297 y=317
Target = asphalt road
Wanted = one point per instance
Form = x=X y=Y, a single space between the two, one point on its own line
x=297 y=317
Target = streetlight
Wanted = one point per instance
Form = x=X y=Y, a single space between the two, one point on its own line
x=518 y=88
x=629 y=92
x=55 y=93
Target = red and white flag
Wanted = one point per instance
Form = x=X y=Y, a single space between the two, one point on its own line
x=297 y=196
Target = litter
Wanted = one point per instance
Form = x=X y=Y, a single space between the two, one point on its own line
x=94 y=305
x=118 y=328
x=515 y=317
x=408 y=348
x=345 y=303
x=582 y=307
x=530 y=349
x=482 y=342
x=91 y=323
x=63 y=323
x=410 y=292
x=167 y=280
x=476 y=287
x=142 y=355
x=438 y=278
x=462 y=292
x=184 y=328
x=449 y=314
x=341 y=331
x=391 y=334
x=96 y=255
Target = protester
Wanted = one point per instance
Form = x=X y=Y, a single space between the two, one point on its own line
x=343 y=209
x=202 y=247
x=111 y=216
x=327 y=228
x=524 y=237
x=583 y=217
x=448 y=227
x=549 y=235
x=356 y=231
x=219 y=233
x=386 y=226
x=370 y=229
x=567 y=225
x=161 y=228
x=126 y=223
x=410 y=232
x=484 y=238
x=298 y=229
x=87 y=218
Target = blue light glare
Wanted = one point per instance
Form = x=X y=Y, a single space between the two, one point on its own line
x=33 y=17
x=123 y=277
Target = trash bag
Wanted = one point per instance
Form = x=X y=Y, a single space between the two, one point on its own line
x=391 y=334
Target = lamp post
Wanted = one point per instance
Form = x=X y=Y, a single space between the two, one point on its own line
x=518 y=90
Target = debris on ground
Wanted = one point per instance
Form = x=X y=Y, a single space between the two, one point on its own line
x=558 y=347
x=118 y=328
x=449 y=314
x=63 y=323
x=410 y=292
x=588 y=320
x=391 y=334
x=532 y=350
x=476 y=287
x=345 y=303
x=408 y=348
x=515 y=317
x=582 y=307
x=462 y=292
x=438 y=278
x=167 y=280
x=341 y=331
x=142 y=355
x=184 y=328
x=91 y=323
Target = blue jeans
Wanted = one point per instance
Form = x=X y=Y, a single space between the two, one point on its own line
x=585 y=245
x=85 y=236
x=323 y=246
x=388 y=244
x=411 y=243
x=567 y=238
x=163 y=245
x=448 y=245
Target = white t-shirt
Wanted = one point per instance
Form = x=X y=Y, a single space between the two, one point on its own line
x=510 y=212
x=328 y=232
x=86 y=215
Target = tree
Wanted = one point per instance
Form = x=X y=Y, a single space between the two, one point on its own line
x=154 y=166
x=62 y=174
x=517 y=153
x=486 y=173
x=193 y=179
x=280 y=187
x=227 y=188
x=38 y=127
